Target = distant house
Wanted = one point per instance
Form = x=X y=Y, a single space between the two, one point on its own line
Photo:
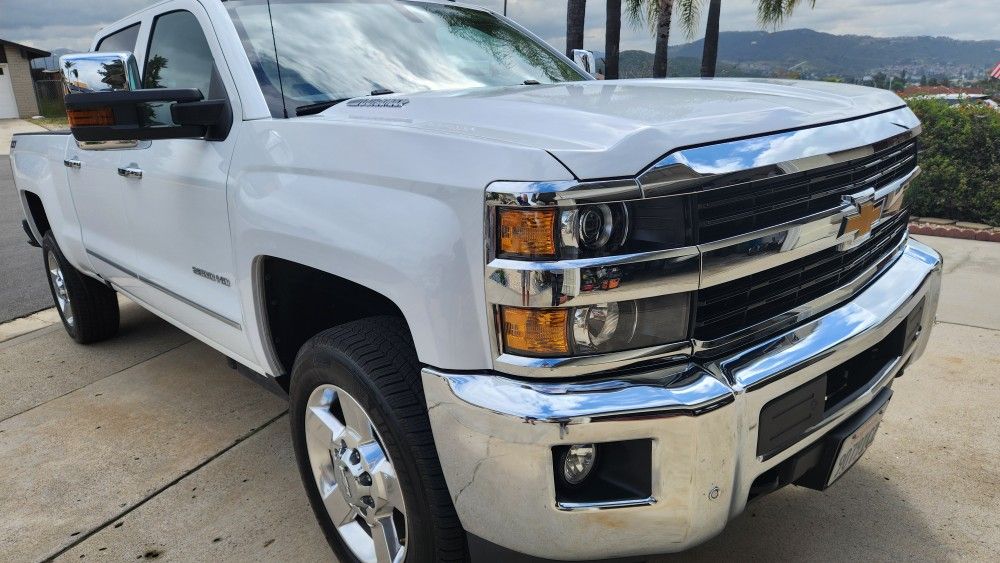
x=927 y=91
x=17 y=90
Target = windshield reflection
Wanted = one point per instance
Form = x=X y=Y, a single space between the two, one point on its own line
x=331 y=50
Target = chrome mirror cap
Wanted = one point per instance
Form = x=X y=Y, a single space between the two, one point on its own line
x=585 y=60
x=99 y=72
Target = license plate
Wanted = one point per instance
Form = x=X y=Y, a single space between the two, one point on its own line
x=855 y=445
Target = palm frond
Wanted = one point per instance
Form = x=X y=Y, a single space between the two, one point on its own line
x=773 y=13
x=690 y=15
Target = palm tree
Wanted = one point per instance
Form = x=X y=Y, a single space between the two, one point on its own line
x=612 y=39
x=658 y=13
x=576 y=14
x=710 y=50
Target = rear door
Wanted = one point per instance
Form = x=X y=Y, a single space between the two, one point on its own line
x=175 y=196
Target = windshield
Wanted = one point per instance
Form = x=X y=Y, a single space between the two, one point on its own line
x=307 y=52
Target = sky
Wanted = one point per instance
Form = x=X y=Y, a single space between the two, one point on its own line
x=71 y=24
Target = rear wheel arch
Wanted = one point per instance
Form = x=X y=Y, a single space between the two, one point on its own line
x=37 y=218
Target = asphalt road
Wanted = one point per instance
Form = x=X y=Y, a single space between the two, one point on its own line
x=23 y=289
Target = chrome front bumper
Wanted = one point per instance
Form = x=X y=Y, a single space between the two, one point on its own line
x=495 y=435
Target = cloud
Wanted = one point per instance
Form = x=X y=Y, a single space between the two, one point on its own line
x=53 y=24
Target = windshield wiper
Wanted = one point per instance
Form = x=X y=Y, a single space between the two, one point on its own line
x=310 y=109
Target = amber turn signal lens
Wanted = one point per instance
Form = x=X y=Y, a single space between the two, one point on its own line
x=536 y=332
x=528 y=233
x=90 y=117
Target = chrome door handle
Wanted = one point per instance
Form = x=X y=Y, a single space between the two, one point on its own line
x=72 y=163
x=130 y=172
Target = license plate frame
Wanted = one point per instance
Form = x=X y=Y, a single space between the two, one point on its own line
x=852 y=448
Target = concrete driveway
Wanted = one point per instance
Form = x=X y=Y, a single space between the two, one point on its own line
x=148 y=447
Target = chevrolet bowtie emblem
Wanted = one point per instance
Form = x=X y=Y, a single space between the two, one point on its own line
x=862 y=222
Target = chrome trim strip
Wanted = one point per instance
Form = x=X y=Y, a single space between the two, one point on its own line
x=560 y=193
x=680 y=390
x=564 y=288
x=580 y=263
x=584 y=506
x=814 y=147
x=113 y=264
x=737 y=257
x=162 y=289
x=581 y=365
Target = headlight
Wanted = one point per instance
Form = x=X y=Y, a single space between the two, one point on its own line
x=593 y=329
x=586 y=231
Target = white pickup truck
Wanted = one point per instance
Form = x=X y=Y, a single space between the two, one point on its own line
x=515 y=310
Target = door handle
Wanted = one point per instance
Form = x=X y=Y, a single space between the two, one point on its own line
x=72 y=163
x=130 y=172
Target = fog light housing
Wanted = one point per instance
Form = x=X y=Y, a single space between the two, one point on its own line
x=578 y=462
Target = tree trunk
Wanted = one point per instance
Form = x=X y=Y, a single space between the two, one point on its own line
x=666 y=12
x=576 y=13
x=710 y=55
x=612 y=39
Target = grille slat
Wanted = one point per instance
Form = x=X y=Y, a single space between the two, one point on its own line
x=729 y=307
x=735 y=210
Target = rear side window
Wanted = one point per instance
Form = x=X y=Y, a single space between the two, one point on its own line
x=121 y=40
x=179 y=56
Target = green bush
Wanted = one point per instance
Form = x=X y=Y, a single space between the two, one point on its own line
x=960 y=157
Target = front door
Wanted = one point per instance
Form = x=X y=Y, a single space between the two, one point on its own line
x=8 y=105
x=175 y=192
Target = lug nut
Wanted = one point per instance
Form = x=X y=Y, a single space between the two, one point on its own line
x=368 y=500
x=365 y=479
x=355 y=457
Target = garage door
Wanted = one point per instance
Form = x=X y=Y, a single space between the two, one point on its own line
x=8 y=107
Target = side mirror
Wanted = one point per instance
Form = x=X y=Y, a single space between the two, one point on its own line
x=104 y=103
x=586 y=60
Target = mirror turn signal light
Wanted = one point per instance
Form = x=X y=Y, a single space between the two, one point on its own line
x=535 y=332
x=528 y=233
x=90 y=117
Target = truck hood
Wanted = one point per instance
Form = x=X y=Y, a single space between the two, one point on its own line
x=605 y=129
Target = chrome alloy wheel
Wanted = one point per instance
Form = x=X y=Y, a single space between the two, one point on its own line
x=355 y=476
x=59 y=288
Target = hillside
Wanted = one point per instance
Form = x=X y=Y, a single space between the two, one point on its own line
x=813 y=52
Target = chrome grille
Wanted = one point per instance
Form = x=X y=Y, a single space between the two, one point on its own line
x=725 y=212
x=729 y=307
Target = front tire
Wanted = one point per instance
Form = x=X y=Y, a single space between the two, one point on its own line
x=87 y=307
x=365 y=450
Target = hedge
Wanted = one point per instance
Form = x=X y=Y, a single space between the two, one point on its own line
x=960 y=157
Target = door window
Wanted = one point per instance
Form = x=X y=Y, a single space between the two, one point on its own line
x=121 y=40
x=179 y=56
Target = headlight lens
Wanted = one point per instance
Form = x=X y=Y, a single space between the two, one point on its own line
x=594 y=329
x=592 y=230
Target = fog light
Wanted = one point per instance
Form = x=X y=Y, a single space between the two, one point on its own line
x=578 y=463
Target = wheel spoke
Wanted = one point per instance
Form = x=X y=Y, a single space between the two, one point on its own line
x=322 y=427
x=356 y=419
x=387 y=546
x=388 y=486
x=341 y=513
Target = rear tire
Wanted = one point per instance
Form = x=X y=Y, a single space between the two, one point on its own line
x=368 y=371
x=87 y=307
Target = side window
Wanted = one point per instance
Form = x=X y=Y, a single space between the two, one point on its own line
x=121 y=40
x=179 y=56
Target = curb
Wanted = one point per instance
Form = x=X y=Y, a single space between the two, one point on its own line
x=953 y=229
x=28 y=324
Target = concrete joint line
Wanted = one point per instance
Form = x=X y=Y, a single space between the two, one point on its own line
x=82 y=537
